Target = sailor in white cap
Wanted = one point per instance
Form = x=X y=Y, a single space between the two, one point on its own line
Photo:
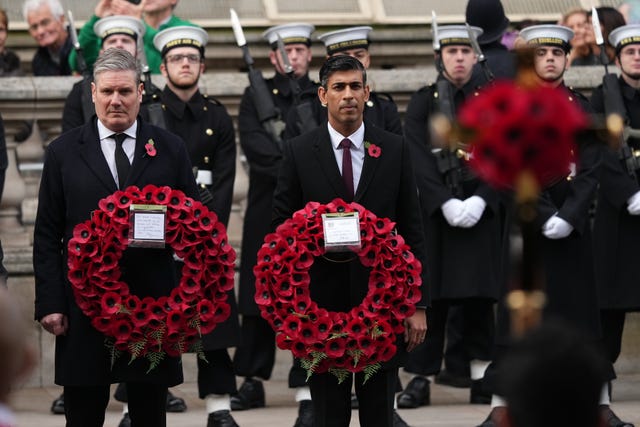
x=207 y=129
x=380 y=109
x=563 y=211
x=255 y=356
x=461 y=217
x=551 y=45
x=617 y=220
x=121 y=32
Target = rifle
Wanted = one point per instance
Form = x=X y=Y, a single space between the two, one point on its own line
x=446 y=157
x=150 y=98
x=614 y=108
x=268 y=113
x=305 y=120
x=88 y=108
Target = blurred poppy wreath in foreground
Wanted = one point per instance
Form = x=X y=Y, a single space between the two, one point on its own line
x=336 y=342
x=148 y=327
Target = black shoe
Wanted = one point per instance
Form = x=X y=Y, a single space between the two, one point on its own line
x=398 y=421
x=250 y=395
x=125 y=421
x=495 y=416
x=416 y=394
x=175 y=404
x=478 y=394
x=611 y=419
x=305 y=414
x=354 y=401
x=221 y=418
x=57 y=407
x=453 y=380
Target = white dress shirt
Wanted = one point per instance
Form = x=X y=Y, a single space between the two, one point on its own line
x=108 y=145
x=357 y=151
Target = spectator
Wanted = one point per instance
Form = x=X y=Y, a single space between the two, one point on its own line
x=9 y=61
x=17 y=357
x=157 y=15
x=47 y=27
x=581 y=54
x=552 y=370
x=610 y=19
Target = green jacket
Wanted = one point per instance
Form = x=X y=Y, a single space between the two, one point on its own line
x=91 y=43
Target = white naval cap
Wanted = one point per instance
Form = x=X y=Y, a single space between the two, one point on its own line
x=548 y=35
x=345 y=39
x=119 y=24
x=456 y=34
x=183 y=35
x=290 y=33
x=624 y=35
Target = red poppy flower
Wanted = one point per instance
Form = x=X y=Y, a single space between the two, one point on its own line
x=335 y=347
x=374 y=151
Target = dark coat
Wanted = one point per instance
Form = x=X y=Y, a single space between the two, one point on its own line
x=380 y=111
x=263 y=156
x=615 y=232
x=461 y=262
x=44 y=65
x=387 y=188
x=568 y=263
x=78 y=107
x=74 y=179
x=207 y=130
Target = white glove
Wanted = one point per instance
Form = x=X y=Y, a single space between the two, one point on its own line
x=634 y=204
x=556 y=228
x=452 y=209
x=472 y=212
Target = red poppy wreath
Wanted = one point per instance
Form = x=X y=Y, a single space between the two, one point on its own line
x=148 y=327
x=336 y=342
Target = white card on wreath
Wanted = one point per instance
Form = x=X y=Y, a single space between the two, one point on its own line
x=147 y=226
x=341 y=231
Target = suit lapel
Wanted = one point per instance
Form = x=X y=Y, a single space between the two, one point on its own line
x=140 y=158
x=370 y=163
x=91 y=153
x=327 y=159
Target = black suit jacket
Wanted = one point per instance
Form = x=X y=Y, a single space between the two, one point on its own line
x=387 y=188
x=75 y=177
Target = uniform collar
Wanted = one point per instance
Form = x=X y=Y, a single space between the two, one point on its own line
x=178 y=106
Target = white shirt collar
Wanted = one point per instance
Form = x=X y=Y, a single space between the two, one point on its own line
x=104 y=132
x=356 y=138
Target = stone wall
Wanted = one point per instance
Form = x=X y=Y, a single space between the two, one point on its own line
x=41 y=100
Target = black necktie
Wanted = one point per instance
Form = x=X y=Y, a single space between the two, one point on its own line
x=347 y=168
x=122 y=161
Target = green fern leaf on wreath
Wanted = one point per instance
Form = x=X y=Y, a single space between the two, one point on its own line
x=340 y=373
x=370 y=370
x=310 y=365
x=154 y=359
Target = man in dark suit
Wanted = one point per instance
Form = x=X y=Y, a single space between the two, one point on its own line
x=386 y=186
x=80 y=169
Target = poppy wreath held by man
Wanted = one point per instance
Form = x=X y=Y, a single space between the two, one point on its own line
x=148 y=327
x=359 y=340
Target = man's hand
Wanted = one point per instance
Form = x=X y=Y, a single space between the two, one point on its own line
x=471 y=212
x=55 y=323
x=124 y=7
x=633 y=204
x=452 y=210
x=556 y=228
x=103 y=9
x=415 y=329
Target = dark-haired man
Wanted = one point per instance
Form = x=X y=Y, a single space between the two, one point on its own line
x=315 y=168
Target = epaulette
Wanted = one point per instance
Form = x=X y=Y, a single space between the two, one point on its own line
x=211 y=99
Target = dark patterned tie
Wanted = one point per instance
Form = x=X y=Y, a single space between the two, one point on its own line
x=347 y=168
x=122 y=161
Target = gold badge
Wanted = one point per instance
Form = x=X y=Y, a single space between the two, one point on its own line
x=209 y=132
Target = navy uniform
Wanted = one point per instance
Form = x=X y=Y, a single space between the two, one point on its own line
x=78 y=107
x=617 y=222
x=380 y=111
x=207 y=130
x=255 y=356
x=463 y=261
x=566 y=247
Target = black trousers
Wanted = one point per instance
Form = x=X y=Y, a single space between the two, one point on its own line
x=216 y=374
x=612 y=322
x=86 y=406
x=255 y=356
x=456 y=359
x=332 y=401
x=478 y=330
